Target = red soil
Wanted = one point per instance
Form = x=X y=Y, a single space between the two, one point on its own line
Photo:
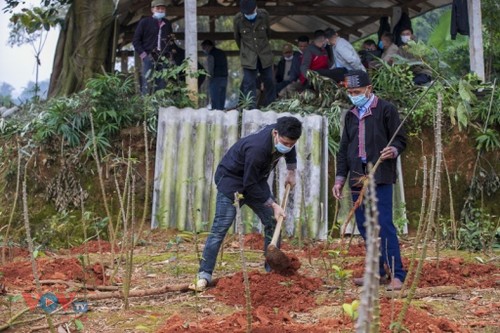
x=19 y=275
x=266 y=319
x=14 y=252
x=270 y=290
x=451 y=272
x=255 y=241
x=93 y=246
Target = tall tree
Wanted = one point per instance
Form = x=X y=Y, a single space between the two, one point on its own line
x=84 y=46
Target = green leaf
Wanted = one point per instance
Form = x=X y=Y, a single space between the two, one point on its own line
x=348 y=309
x=441 y=33
x=79 y=325
x=462 y=116
x=465 y=91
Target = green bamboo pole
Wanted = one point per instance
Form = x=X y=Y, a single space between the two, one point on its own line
x=169 y=141
x=199 y=165
x=183 y=167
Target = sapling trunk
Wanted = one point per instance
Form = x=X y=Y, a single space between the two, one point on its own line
x=14 y=205
x=248 y=299
x=433 y=203
x=367 y=322
x=453 y=220
x=31 y=248
x=437 y=228
x=420 y=227
x=147 y=185
x=84 y=226
x=95 y=154
x=130 y=245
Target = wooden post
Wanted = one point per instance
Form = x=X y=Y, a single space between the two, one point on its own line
x=476 y=38
x=191 y=43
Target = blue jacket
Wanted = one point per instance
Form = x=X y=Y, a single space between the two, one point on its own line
x=246 y=166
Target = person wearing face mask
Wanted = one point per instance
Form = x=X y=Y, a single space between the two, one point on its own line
x=251 y=33
x=421 y=74
x=245 y=169
x=390 y=49
x=288 y=68
x=152 y=41
x=315 y=58
x=217 y=70
x=368 y=128
x=343 y=57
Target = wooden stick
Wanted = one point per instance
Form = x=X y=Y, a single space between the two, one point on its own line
x=424 y=292
x=138 y=293
x=44 y=327
x=80 y=285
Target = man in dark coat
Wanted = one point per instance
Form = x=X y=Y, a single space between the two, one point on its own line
x=152 y=41
x=251 y=32
x=288 y=68
x=368 y=128
x=245 y=169
x=217 y=69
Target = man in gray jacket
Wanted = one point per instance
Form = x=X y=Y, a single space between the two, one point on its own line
x=251 y=32
x=343 y=57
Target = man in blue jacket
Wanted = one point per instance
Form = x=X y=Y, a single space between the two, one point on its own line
x=152 y=41
x=245 y=169
x=368 y=128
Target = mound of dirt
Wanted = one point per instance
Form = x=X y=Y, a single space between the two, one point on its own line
x=93 y=246
x=14 y=252
x=19 y=275
x=269 y=320
x=448 y=272
x=264 y=320
x=289 y=293
x=456 y=272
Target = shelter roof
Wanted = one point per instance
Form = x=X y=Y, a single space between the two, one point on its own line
x=353 y=19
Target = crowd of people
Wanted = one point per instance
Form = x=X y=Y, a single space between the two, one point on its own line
x=327 y=54
x=371 y=128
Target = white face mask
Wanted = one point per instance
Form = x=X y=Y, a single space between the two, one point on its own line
x=405 y=39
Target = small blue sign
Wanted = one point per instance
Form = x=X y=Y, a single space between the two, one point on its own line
x=80 y=306
x=48 y=302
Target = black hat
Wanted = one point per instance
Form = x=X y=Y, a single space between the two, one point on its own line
x=357 y=79
x=248 y=6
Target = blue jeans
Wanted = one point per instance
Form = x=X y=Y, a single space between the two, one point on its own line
x=150 y=84
x=249 y=84
x=217 y=88
x=225 y=212
x=389 y=243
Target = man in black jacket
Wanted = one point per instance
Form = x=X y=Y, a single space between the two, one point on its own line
x=217 y=69
x=245 y=169
x=368 y=128
x=288 y=68
x=152 y=41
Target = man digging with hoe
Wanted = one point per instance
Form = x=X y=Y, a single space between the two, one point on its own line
x=245 y=169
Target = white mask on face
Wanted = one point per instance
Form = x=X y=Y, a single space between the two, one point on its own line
x=405 y=39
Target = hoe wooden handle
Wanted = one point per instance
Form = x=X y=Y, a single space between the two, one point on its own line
x=277 y=231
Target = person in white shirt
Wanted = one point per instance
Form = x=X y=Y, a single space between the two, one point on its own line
x=343 y=56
